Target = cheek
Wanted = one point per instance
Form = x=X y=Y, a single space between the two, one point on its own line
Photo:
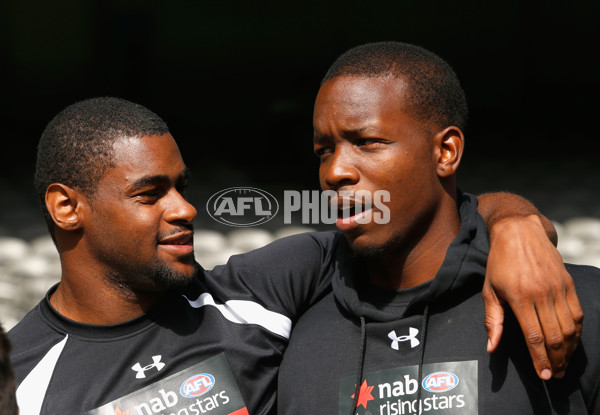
x=135 y=227
x=142 y=229
x=406 y=188
x=322 y=173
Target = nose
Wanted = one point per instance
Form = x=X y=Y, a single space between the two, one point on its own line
x=339 y=170
x=179 y=209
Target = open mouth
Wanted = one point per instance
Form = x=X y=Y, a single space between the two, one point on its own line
x=354 y=209
x=351 y=213
x=181 y=243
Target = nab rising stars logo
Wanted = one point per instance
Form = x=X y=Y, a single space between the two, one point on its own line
x=412 y=337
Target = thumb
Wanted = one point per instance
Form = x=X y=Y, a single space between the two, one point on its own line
x=494 y=320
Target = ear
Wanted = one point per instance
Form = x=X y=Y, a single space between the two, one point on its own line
x=65 y=206
x=449 y=144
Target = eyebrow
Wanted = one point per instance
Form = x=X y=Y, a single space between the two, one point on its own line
x=356 y=131
x=159 y=179
x=364 y=129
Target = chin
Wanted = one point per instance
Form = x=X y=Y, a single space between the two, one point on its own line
x=376 y=241
x=173 y=277
x=369 y=251
x=363 y=247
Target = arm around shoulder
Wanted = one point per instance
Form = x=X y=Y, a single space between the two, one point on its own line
x=285 y=276
x=494 y=207
x=526 y=271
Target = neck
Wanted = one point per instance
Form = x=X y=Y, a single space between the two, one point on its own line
x=411 y=263
x=92 y=299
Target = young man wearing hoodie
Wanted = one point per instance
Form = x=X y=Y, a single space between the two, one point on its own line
x=400 y=332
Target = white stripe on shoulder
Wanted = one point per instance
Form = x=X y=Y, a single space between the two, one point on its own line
x=247 y=312
x=32 y=391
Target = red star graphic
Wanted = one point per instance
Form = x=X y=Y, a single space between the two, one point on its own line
x=119 y=412
x=364 y=395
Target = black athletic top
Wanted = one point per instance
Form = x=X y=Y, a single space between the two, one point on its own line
x=369 y=350
x=213 y=349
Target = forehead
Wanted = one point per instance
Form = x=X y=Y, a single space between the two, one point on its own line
x=360 y=97
x=136 y=157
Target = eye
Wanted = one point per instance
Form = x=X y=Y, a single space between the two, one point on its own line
x=370 y=144
x=365 y=142
x=151 y=193
x=150 y=196
x=321 y=151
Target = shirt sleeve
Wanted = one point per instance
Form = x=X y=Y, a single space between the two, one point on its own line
x=286 y=276
x=585 y=362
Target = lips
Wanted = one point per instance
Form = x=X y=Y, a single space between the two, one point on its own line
x=347 y=206
x=180 y=238
x=351 y=213
x=180 y=243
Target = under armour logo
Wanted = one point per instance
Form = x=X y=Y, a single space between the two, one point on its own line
x=412 y=336
x=140 y=370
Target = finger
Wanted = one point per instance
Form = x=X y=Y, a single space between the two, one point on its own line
x=494 y=319
x=553 y=335
x=577 y=317
x=534 y=338
x=569 y=330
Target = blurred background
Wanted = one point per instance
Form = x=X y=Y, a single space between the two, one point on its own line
x=236 y=82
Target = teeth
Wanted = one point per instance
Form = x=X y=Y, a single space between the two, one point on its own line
x=346 y=213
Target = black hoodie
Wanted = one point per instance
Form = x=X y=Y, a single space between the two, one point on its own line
x=382 y=351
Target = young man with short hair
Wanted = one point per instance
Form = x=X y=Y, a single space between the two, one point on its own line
x=400 y=331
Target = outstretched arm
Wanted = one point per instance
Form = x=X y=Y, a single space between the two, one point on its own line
x=526 y=271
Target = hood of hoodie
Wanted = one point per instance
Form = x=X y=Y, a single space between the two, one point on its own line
x=463 y=268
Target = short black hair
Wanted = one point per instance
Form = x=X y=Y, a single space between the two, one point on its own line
x=434 y=94
x=76 y=147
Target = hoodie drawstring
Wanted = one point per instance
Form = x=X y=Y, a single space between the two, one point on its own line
x=361 y=361
x=422 y=354
x=363 y=344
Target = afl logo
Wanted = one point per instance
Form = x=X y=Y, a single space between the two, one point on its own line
x=242 y=206
x=197 y=385
x=440 y=382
